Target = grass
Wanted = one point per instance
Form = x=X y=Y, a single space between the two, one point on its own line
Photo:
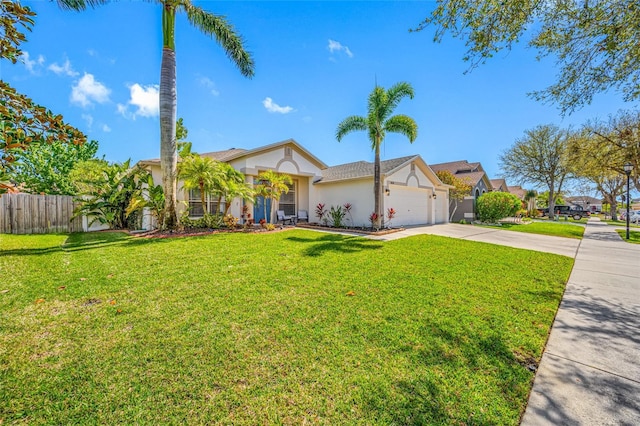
x=281 y=328
x=556 y=229
x=634 y=236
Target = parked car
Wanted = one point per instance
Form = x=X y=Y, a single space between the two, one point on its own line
x=575 y=212
x=634 y=216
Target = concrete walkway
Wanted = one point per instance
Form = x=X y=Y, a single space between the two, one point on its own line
x=590 y=370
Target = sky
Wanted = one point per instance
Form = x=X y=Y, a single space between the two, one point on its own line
x=315 y=64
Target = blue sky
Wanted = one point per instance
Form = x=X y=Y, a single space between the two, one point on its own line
x=316 y=63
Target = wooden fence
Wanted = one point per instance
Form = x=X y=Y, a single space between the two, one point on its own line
x=37 y=214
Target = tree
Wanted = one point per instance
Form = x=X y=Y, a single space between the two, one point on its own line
x=46 y=167
x=272 y=185
x=22 y=121
x=212 y=25
x=231 y=184
x=594 y=42
x=530 y=198
x=540 y=158
x=461 y=188
x=378 y=122
x=199 y=173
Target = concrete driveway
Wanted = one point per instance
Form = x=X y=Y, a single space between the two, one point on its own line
x=544 y=243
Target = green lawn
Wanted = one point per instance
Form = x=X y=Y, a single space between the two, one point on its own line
x=634 y=236
x=556 y=229
x=290 y=327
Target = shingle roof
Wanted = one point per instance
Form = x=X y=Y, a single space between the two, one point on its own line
x=461 y=166
x=225 y=155
x=360 y=169
x=497 y=183
x=517 y=191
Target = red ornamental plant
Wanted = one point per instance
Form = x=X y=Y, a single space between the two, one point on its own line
x=320 y=211
x=391 y=213
x=373 y=218
x=347 y=209
x=263 y=222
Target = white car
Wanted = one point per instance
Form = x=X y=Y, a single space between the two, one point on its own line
x=634 y=216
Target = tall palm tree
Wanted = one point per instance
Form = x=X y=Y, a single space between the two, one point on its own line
x=378 y=122
x=199 y=173
x=212 y=25
x=530 y=198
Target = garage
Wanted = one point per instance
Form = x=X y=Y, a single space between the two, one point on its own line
x=412 y=205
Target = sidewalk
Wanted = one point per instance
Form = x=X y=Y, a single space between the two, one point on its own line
x=590 y=370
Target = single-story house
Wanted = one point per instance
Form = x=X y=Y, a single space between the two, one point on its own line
x=587 y=202
x=409 y=185
x=518 y=191
x=475 y=175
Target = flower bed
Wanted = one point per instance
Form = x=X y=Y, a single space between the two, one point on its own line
x=354 y=230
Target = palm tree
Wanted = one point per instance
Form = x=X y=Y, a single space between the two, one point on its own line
x=530 y=198
x=273 y=185
x=378 y=122
x=212 y=25
x=199 y=173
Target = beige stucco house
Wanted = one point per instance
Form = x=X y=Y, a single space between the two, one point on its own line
x=411 y=188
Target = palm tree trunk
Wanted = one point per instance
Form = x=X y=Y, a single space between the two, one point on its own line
x=376 y=185
x=168 y=107
x=205 y=209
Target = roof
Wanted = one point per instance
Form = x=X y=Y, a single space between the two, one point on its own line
x=234 y=153
x=518 y=191
x=361 y=169
x=457 y=167
x=497 y=183
x=584 y=199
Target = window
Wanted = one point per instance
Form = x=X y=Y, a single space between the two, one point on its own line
x=288 y=200
x=288 y=152
x=195 y=204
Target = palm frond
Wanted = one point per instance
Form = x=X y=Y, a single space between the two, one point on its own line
x=79 y=4
x=219 y=28
x=397 y=92
x=351 y=124
x=404 y=125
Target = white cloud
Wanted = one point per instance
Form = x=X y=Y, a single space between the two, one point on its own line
x=88 y=118
x=336 y=46
x=209 y=84
x=106 y=128
x=64 y=69
x=87 y=90
x=30 y=64
x=274 y=107
x=146 y=100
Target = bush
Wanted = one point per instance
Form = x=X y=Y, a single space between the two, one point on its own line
x=337 y=214
x=208 y=221
x=493 y=206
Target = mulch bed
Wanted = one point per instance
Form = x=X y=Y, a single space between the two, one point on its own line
x=350 y=230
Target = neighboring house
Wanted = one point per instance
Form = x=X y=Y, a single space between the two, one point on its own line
x=499 y=185
x=475 y=175
x=411 y=188
x=518 y=191
x=586 y=202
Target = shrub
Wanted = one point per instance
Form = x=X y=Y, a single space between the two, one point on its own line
x=230 y=221
x=493 y=206
x=208 y=221
x=373 y=218
x=391 y=213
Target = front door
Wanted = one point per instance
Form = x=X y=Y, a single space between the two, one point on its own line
x=259 y=209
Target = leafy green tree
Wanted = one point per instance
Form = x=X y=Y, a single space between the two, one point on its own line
x=539 y=158
x=45 y=167
x=225 y=35
x=87 y=174
x=107 y=198
x=231 y=184
x=271 y=185
x=22 y=121
x=595 y=43
x=461 y=188
x=493 y=206
x=199 y=173
x=378 y=122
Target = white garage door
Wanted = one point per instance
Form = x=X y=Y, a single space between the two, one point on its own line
x=442 y=208
x=411 y=205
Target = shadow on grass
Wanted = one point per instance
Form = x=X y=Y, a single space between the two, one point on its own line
x=85 y=241
x=453 y=375
x=335 y=243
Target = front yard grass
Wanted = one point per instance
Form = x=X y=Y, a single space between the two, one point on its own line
x=555 y=229
x=291 y=327
x=634 y=236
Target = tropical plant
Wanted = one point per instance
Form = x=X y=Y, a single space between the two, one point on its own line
x=461 y=188
x=229 y=184
x=337 y=215
x=374 y=220
x=230 y=221
x=212 y=25
x=378 y=122
x=493 y=206
x=150 y=196
x=199 y=173
x=391 y=213
x=108 y=198
x=530 y=198
x=45 y=168
x=321 y=212
x=272 y=185
x=347 y=208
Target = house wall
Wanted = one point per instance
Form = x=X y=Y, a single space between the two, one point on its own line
x=359 y=193
x=411 y=196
